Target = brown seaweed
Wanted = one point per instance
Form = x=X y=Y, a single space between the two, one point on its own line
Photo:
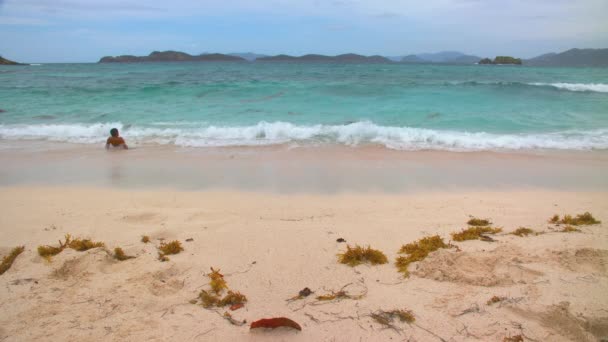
x=8 y=260
x=273 y=323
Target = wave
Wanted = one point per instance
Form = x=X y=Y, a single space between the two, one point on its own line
x=276 y=133
x=578 y=87
x=590 y=87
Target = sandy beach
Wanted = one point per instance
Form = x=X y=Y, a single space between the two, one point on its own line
x=269 y=246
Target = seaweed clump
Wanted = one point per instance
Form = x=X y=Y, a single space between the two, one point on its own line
x=82 y=245
x=474 y=233
x=173 y=247
x=515 y=338
x=358 y=255
x=145 y=239
x=218 y=285
x=522 y=231
x=120 y=255
x=585 y=219
x=478 y=222
x=48 y=251
x=569 y=229
x=417 y=251
x=8 y=260
x=387 y=317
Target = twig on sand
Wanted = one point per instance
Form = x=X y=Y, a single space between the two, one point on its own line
x=471 y=309
x=204 y=333
x=430 y=332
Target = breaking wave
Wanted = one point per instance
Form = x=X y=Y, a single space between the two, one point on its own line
x=275 y=133
x=591 y=87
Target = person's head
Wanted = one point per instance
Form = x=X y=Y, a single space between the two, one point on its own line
x=114 y=132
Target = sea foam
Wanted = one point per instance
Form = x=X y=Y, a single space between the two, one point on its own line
x=591 y=87
x=275 y=133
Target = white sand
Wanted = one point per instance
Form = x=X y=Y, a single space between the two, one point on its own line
x=271 y=246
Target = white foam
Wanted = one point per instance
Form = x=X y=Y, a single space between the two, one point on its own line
x=592 y=87
x=355 y=134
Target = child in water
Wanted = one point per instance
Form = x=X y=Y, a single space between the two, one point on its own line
x=115 y=141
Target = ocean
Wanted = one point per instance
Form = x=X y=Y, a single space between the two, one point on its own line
x=402 y=107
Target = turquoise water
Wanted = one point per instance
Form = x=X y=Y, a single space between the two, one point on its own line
x=406 y=107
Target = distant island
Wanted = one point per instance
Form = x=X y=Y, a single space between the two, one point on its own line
x=345 y=58
x=570 y=58
x=501 y=60
x=4 y=61
x=172 y=56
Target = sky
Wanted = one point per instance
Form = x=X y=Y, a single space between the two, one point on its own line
x=85 y=30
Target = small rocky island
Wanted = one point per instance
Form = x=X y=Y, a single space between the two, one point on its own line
x=501 y=60
x=172 y=56
x=4 y=61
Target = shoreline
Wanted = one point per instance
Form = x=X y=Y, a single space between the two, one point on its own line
x=269 y=246
x=330 y=169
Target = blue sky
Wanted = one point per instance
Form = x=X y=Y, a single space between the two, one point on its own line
x=85 y=30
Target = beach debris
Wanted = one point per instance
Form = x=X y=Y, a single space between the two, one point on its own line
x=273 y=323
x=478 y=222
x=474 y=233
x=387 y=318
x=522 y=231
x=417 y=251
x=515 y=338
x=145 y=239
x=569 y=229
x=237 y=306
x=584 y=219
x=227 y=316
x=189 y=239
x=486 y=238
x=341 y=294
x=305 y=292
x=340 y=240
x=169 y=248
x=495 y=299
x=212 y=298
x=8 y=260
x=120 y=255
x=358 y=255
x=77 y=244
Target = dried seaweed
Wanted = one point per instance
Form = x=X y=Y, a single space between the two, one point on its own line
x=120 y=255
x=387 y=318
x=417 y=251
x=170 y=248
x=495 y=299
x=478 y=222
x=237 y=306
x=358 y=255
x=272 y=323
x=522 y=231
x=554 y=219
x=516 y=338
x=227 y=316
x=8 y=260
x=145 y=239
x=217 y=283
x=82 y=245
x=232 y=298
x=585 y=219
x=48 y=251
x=569 y=229
x=474 y=233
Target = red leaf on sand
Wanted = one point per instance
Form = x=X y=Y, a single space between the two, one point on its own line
x=236 y=306
x=275 y=323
